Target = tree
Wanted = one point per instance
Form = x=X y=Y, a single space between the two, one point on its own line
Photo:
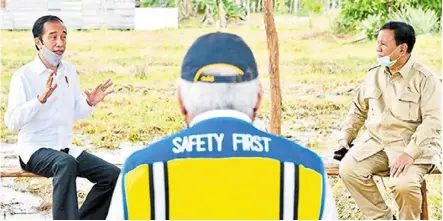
x=272 y=42
x=187 y=8
x=282 y=6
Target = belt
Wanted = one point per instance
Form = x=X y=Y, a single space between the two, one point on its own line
x=66 y=150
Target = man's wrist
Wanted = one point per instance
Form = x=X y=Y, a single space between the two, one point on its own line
x=41 y=100
x=344 y=143
x=91 y=105
x=408 y=154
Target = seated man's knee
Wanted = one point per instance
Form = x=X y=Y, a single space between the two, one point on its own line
x=66 y=163
x=114 y=173
x=404 y=185
x=346 y=167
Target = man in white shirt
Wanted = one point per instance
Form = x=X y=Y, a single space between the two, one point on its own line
x=44 y=100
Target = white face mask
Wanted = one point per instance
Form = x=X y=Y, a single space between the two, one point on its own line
x=386 y=60
x=51 y=57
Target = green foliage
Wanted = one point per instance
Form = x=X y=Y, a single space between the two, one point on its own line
x=313 y=6
x=234 y=11
x=423 y=15
x=211 y=8
x=433 y=5
x=155 y=3
x=305 y=7
x=371 y=25
x=202 y=5
x=359 y=10
x=342 y=25
x=423 y=21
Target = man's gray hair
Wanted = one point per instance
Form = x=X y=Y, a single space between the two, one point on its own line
x=200 y=97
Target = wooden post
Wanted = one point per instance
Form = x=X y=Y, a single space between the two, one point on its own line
x=272 y=41
x=424 y=202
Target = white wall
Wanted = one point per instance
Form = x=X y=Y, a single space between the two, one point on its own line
x=155 y=18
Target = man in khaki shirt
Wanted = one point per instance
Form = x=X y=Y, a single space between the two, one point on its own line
x=400 y=100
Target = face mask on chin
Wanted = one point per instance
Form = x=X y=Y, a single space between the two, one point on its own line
x=51 y=57
x=386 y=60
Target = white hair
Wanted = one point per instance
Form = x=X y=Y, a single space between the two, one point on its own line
x=200 y=97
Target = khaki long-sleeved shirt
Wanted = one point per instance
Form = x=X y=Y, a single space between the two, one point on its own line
x=402 y=112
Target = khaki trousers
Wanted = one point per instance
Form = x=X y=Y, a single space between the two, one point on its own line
x=357 y=174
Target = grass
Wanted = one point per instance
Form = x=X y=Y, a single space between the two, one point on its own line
x=318 y=75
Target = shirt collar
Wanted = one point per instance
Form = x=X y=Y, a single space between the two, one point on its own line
x=404 y=71
x=220 y=113
x=38 y=65
x=40 y=68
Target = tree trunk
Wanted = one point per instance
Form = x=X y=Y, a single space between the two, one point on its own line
x=291 y=7
x=273 y=5
x=187 y=8
x=296 y=5
x=222 y=14
x=272 y=41
x=281 y=6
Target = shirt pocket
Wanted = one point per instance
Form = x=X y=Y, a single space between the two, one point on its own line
x=407 y=106
x=372 y=95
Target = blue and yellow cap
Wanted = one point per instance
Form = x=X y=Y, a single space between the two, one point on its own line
x=219 y=52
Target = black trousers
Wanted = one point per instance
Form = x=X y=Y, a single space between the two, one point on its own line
x=64 y=169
